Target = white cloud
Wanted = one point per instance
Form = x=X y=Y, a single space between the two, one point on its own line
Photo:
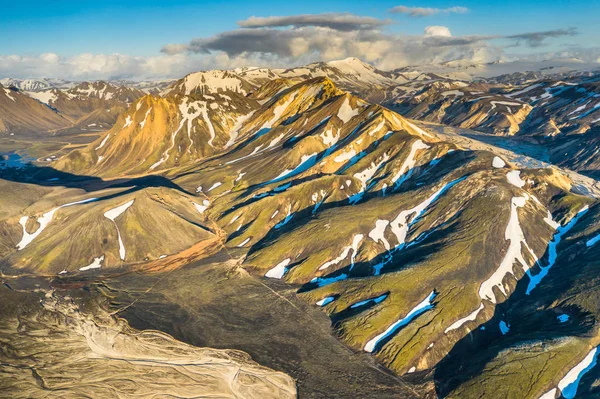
x=427 y=11
x=286 y=42
x=437 y=31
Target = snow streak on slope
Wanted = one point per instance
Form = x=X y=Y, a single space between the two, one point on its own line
x=422 y=307
x=460 y=322
x=112 y=215
x=515 y=235
x=352 y=247
x=552 y=251
x=402 y=223
x=570 y=382
x=406 y=168
x=96 y=264
x=43 y=221
x=279 y=270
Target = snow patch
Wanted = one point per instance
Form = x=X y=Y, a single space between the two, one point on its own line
x=43 y=221
x=422 y=307
x=346 y=112
x=409 y=163
x=203 y=207
x=352 y=247
x=279 y=270
x=112 y=215
x=552 y=250
x=570 y=382
x=515 y=235
x=460 y=322
x=498 y=162
x=514 y=178
x=96 y=264
x=246 y=241
x=325 y=301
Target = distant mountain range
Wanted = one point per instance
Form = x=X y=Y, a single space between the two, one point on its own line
x=553 y=103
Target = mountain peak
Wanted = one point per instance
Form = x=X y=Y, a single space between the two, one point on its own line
x=350 y=64
x=211 y=82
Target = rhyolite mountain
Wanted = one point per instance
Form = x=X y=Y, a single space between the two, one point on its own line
x=38 y=112
x=552 y=104
x=460 y=271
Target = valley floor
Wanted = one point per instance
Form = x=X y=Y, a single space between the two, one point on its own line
x=213 y=303
x=523 y=155
x=217 y=304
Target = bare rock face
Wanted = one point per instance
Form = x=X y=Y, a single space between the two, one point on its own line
x=72 y=349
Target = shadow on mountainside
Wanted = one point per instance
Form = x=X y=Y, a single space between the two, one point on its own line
x=50 y=177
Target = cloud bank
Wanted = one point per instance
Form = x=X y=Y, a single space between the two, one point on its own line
x=284 y=41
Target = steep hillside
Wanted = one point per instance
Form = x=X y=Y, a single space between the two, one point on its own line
x=452 y=103
x=22 y=115
x=193 y=120
x=92 y=106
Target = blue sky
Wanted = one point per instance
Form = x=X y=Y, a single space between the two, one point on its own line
x=140 y=29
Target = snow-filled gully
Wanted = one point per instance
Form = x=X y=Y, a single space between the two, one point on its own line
x=422 y=307
x=402 y=223
x=112 y=214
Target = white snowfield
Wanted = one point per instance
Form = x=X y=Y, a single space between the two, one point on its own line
x=128 y=122
x=378 y=233
x=217 y=184
x=515 y=235
x=43 y=221
x=103 y=142
x=112 y=215
x=246 y=241
x=498 y=162
x=514 y=178
x=46 y=97
x=325 y=301
x=203 y=207
x=366 y=175
x=405 y=219
x=212 y=82
x=346 y=112
x=352 y=247
x=456 y=93
x=278 y=111
x=278 y=271
x=96 y=264
x=460 y=322
x=409 y=163
x=143 y=123
x=422 y=307
x=186 y=116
